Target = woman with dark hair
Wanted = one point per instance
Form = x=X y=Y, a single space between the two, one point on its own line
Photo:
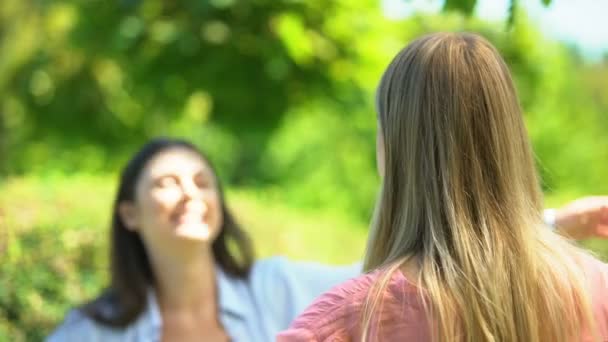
x=181 y=267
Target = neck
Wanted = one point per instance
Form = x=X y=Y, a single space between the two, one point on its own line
x=186 y=282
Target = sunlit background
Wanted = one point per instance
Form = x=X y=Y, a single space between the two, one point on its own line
x=278 y=92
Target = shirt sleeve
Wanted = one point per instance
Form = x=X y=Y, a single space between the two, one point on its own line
x=312 y=279
x=284 y=288
x=333 y=316
x=75 y=327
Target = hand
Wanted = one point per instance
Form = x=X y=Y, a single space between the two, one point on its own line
x=584 y=218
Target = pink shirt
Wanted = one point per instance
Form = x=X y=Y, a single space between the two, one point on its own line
x=336 y=315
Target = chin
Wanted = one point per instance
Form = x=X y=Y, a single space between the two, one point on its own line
x=194 y=232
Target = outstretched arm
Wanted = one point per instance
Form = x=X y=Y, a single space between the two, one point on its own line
x=583 y=218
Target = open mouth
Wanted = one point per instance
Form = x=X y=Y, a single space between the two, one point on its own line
x=192 y=228
x=192 y=221
x=191 y=218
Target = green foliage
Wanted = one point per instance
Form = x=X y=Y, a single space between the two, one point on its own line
x=138 y=69
x=279 y=93
x=465 y=6
x=52 y=255
x=512 y=11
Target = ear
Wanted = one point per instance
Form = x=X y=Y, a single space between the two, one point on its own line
x=128 y=215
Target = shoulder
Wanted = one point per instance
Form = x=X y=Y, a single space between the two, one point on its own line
x=312 y=274
x=290 y=275
x=287 y=287
x=338 y=313
x=74 y=327
x=268 y=276
x=597 y=272
x=268 y=267
x=78 y=326
x=337 y=302
x=333 y=313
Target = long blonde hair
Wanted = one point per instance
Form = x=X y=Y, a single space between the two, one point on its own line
x=460 y=197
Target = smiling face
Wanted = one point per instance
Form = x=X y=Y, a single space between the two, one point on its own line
x=177 y=199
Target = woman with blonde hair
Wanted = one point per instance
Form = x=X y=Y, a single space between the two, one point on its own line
x=457 y=249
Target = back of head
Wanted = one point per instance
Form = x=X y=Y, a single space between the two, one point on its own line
x=460 y=195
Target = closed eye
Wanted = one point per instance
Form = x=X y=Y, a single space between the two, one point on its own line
x=166 y=181
x=202 y=180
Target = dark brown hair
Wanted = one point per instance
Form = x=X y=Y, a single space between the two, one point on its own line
x=131 y=273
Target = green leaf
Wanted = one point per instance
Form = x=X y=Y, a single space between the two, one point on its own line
x=512 y=13
x=464 y=6
x=546 y=2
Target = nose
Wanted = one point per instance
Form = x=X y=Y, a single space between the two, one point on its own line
x=193 y=198
x=190 y=190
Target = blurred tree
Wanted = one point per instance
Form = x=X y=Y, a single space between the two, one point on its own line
x=467 y=7
x=97 y=77
x=273 y=90
x=111 y=73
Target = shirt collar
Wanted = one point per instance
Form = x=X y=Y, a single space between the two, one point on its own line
x=231 y=290
x=149 y=325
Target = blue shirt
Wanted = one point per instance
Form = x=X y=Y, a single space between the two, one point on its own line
x=254 y=309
